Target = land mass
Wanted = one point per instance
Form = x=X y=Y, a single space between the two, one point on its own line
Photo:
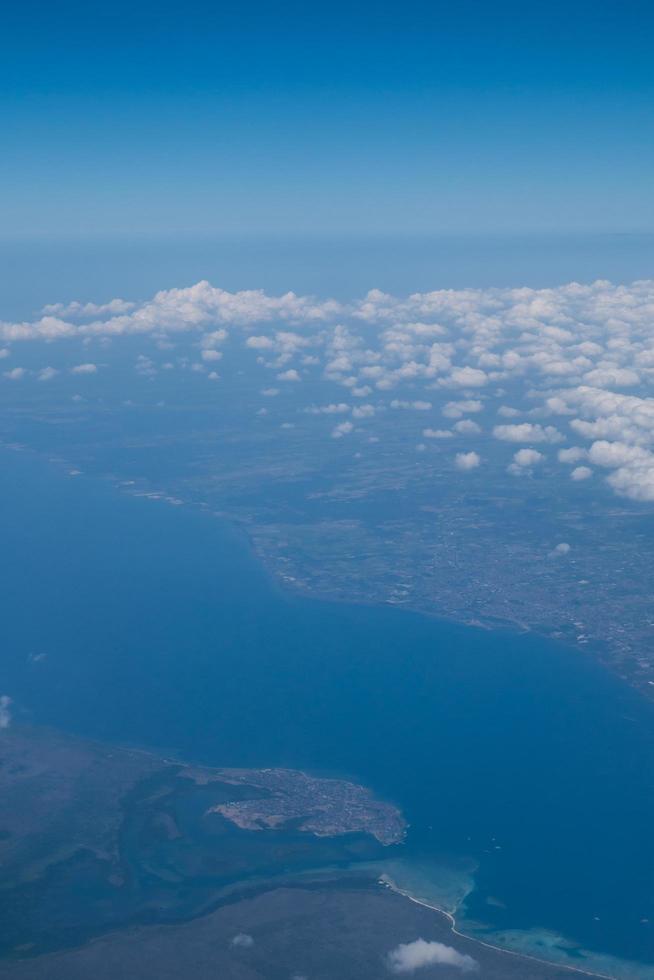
x=117 y=862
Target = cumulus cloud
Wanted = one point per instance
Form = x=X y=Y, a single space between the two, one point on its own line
x=334 y=408
x=77 y=309
x=467 y=377
x=467 y=461
x=84 y=369
x=581 y=473
x=243 y=940
x=342 y=429
x=571 y=455
x=523 y=461
x=259 y=343
x=454 y=410
x=211 y=355
x=582 y=353
x=409 y=957
x=363 y=411
x=527 y=432
x=467 y=427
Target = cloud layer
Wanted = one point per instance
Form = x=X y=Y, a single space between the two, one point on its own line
x=573 y=363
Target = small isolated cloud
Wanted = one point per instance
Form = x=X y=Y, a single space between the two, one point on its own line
x=408 y=957
x=560 y=550
x=335 y=408
x=523 y=461
x=5 y=713
x=46 y=373
x=343 y=429
x=467 y=461
x=259 y=343
x=527 y=432
x=454 y=410
x=270 y=392
x=211 y=355
x=242 y=939
x=581 y=473
x=84 y=369
x=15 y=374
x=290 y=375
x=467 y=427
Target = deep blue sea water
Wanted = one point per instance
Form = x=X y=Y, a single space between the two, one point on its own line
x=159 y=628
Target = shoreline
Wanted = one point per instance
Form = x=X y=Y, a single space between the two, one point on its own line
x=387 y=882
x=240 y=531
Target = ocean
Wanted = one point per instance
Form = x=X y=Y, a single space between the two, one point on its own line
x=524 y=769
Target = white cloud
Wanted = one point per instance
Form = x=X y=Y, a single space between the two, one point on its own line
x=84 y=369
x=211 y=355
x=334 y=408
x=467 y=427
x=560 y=550
x=77 y=309
x=259 y=343
x=342 y=429
x=363 y=411
x=242 y=939
x=571 y=455
x=590 y=340
x=612 y=377
x=523 y=461
x=408 y=957
x=581 y=473
x=467 y=461
x=454 y=410
x=47 y=373
x=527 y=432
x=467 y=377
x=214 y=338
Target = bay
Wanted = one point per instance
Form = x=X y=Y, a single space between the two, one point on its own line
x=522 y=766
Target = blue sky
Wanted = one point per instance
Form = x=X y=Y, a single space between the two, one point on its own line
x=315 y=119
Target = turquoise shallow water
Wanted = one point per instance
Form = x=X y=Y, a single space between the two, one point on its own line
x=514 y=760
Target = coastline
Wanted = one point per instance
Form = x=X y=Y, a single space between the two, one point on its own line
x=240 y=531
x=387 y=882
